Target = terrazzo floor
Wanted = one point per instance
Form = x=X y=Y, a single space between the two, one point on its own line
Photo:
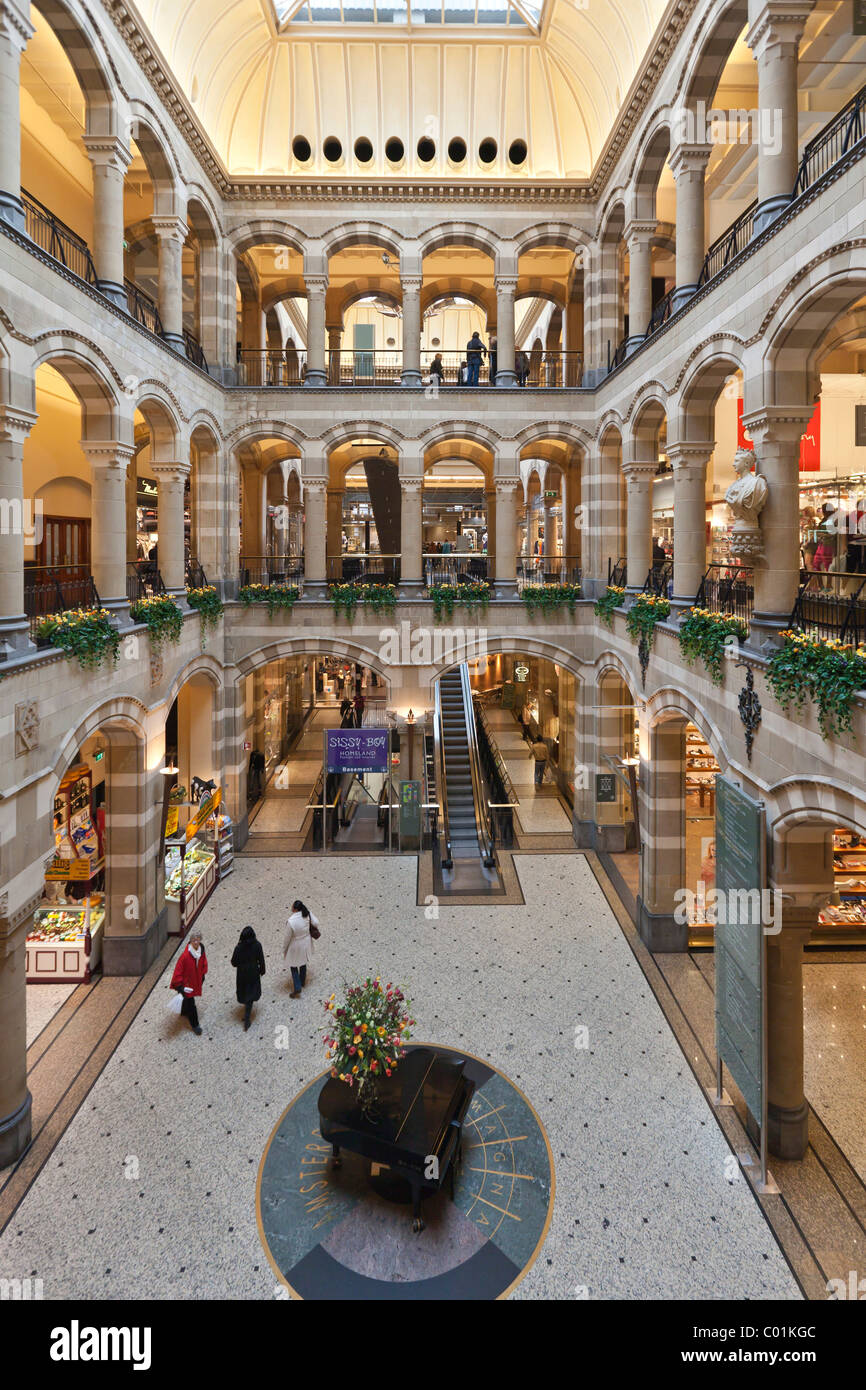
x=539 y=811
x=43 y=1001
x=150 y=1193
x=834 y=997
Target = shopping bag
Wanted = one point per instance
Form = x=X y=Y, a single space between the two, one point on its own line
x=175 y=1003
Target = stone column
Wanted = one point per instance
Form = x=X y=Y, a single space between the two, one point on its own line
x=317 y=286
x=21 y=523
x=774 y=38
x=490 y=516
x=110 y=158
x=253 y=536
x=171 y=233
x=15 y=1101
x=662 y=816
x=334 y=531
x=776 y=434
x=787 y=1109
x=411 y=287
x=171 y=478
x=108 y=464
x=506 y=536
x=411 y=536
x=15 y=33
x=335 y=345
x=688 y=164
x=315 y=567
x=506 y=288
x=689 y=463
x=639 y=485
x=638 y=236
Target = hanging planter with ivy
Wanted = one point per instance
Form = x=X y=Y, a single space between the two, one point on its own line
x=641 y=620
x=161 y=616
x=276 y=596
x=611 y=599
x=548 y=598
x=447 y=597
x=830 y=673
x=707 y=635
x=85 y=633
x=379 y=597
x=208 y=604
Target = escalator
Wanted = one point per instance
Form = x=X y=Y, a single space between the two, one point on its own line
x=465 y=819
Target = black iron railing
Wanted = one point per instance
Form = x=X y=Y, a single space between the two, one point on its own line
x=832 y=605
x=728 y=589
x=272 y=367
x=834 y=142
x=272 y=569
x=194 y=350
x=195 y=575
x=618 y=357
x=661 y=313
x=459 y=568
x=660 y=578
x=617 y=573
x=363 y=569
x=57 y=240
x=143 y=580
x=729 y=245
x=50 y=589
x=142 y=308
x=534 y=571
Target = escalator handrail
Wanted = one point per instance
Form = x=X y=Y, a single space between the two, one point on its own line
x=482 y=818
x=439 y=764
x=501 y=769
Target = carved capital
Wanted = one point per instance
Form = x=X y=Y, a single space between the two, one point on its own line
x=316 y=284
x=107 y=454
x=15 y=25
x=171 y=229
x=15 y=425
x=108 y=151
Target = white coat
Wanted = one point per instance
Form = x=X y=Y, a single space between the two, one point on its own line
x=298 y=944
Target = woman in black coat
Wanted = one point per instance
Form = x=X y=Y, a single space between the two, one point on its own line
x=249 y=962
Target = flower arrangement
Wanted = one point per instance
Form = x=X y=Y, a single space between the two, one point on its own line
x=85 y=633
x=161 y=616
x=446 y=597
x=548 y=597
x=274 y=595
x=612 y=598
x=646 y=611
x=828 y=672
x=208 y=604
x=367 y=1034
x=707 y=634
x=379 y=597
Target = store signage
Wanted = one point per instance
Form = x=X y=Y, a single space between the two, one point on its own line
x=410 y=810
x=509 y=695
x=357 y=750
x=204 y=811
x=605 y=787
x=739 y=939
x=521 y=672
x=73 y=870
x=97 y=757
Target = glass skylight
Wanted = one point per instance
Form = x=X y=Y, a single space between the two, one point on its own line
x=409 y=14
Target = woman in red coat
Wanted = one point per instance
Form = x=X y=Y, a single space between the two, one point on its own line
x=188 y=978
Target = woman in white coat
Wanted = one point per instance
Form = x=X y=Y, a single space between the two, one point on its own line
x=302 y=929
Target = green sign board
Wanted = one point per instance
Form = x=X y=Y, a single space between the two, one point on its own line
x=509 y=695
x=739 y=939
x=605 y=787
x=410 y=811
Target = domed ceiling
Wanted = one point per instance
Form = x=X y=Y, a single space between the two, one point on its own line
x=475 y=89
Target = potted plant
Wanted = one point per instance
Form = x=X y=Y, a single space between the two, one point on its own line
x=549 y=597
x=611 y=599
x=446 y=597
x=85 y=633
x=828 y=672
x=707 y=635
x=276 y=596
x=208 y=604
x=161 y=616
x=367 y=1035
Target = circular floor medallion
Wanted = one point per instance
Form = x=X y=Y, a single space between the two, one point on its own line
x=329 y=1234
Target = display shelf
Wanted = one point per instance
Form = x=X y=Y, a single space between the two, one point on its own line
x=65 y=945
x=845 y=918
x=199 y=880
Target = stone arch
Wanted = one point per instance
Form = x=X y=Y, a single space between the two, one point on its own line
x=517 y=644
x=802 y=316
x=124 y=711
x=201 y=665
x=89 y=379
x=669 y=704
x=458 y=234
x=85 y=49
x=251 y=431
x=563 y=430
x=562 y=234
x=361 y=234
x=266 y=231
x=720 y=29
x=344 y=646
x=343 y=431
x=459 y=429
x=160 y=160
x=163 y=425
x=703 y=378
x=647 y=169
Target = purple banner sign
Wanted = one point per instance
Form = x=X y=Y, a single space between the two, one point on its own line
x=357 y=750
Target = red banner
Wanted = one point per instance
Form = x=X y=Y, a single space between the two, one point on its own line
x=810 y=444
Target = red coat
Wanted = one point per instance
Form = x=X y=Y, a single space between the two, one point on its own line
x=190 y=973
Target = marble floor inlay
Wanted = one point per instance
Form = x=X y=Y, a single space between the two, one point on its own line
x=150 y=1191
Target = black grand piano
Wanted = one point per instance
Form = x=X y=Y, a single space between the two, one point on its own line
x=417 y=1135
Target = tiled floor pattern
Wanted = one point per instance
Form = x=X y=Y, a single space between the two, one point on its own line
x=539 y=810
x=43 y=1002
x=150 y=1191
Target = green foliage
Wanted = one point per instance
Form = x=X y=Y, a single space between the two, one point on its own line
x=162 y=617
x=85 y=633
x=380 y=597
x=208 y=604
x=447 y=597
x=705 y=634
x=276 y=596
x=646 y=611
x=604 y=607
x=828 y=673
x=547 y=598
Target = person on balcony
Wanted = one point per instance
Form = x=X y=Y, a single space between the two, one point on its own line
x=494 y=351
x=437 y=370
x=521 y=364
x=475 y=351
x=293 y=370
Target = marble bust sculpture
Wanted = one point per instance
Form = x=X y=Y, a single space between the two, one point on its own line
x=746 y=497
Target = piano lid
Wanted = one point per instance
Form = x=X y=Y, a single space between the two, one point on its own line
x=416 y=1103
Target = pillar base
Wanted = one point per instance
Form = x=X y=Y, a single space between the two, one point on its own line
x=506 y=379
x=175 y=340
x=315 y=378
x=787 y=1130
x=766 y=629
x=505 y=590
x=12 y=212
x=15 y=1133
x=767 y=212
x=315 y=590
x=15 y=639
x=114 y=293
x=410 y=376
x=118 y=610
x=681 y=295
x=411 y=589
x=660 y=932
x=133 y=955
x=594 y=376
x=604 y=839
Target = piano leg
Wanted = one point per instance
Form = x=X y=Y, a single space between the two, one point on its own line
x=336 y=1160
x=417 y=1219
